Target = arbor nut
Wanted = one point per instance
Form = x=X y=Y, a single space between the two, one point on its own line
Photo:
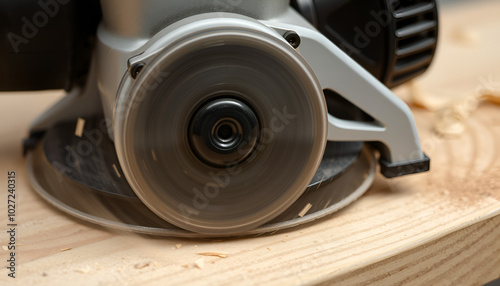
x=224 y=132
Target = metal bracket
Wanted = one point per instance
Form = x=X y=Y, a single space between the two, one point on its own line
x=394 y=127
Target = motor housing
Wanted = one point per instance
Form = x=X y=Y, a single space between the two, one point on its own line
x=395 y=40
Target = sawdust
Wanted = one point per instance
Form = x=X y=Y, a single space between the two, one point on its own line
x=178 y=246
x=453 y=120
x=422 y=99
x=492 y=97
x=84 y=270
x=465 y=36
x=464 y=169
x=142 y=265
x=116 y=171
x=200 y=263
x=304 y=210
x=80 y=125
x=452 y=117
x=216 y=254
x=464 y=193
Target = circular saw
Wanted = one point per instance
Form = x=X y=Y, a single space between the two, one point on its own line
x=220 y=118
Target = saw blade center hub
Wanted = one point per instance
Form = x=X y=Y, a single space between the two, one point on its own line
x=224 y=132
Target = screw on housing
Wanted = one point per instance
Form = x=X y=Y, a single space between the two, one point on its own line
x=292 y=38
x=136 y=69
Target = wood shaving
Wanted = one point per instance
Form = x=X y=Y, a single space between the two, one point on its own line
x=304 y=211
x=185 y=265
x=5 y=248
x=142 y=265
x=453 y=120
x=465 y=35
x=450 y=122
x=83 y=270
x=200 y=263
x=452 y=116
x=116 y=171
x=217 y=254
x=80 y=125
x=66 y=249
x=422 y=99
x=178 y=246
x=493 y=98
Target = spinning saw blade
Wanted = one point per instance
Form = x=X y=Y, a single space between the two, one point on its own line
x=93 y=190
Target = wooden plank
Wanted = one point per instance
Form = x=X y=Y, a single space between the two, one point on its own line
x=463 y=257
x=439 y=228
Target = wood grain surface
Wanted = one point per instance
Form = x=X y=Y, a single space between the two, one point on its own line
x=438 y=228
